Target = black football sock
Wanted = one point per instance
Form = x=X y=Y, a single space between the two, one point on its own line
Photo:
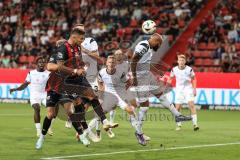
x=46 y=125
x=98 y=109
x=80 y=110
x=76 y=124
x=84 y=124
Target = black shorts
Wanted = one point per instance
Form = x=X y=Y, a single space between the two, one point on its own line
x=77 y=86
x=53 y=98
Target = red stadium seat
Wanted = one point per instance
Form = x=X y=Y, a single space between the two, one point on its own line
x=23 y=59
x=211 y=46
x=206 y=54
x=197 y=54
x=128 y=31
x=133 y=23
x=208 y=62
x=31 y=59
x=211 y=69
x=198 y=62
x=202 y=46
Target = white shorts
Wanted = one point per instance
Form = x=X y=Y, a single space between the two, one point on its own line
x=111 y=101
x=130 y=95
x=147 y=86
x=40 y=98
x=184 y=96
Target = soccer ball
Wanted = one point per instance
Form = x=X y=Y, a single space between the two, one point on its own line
x=149 y=27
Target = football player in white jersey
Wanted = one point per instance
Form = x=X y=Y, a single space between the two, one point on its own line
x=185 y=88
x=112 y=84
x=36 y=79
x=123 y=65
x=144 y=82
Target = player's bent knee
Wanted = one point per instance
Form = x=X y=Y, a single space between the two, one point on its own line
x=51 y=115
x=36 y=108
x=51 y=112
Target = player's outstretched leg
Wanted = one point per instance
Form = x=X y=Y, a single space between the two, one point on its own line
x=178 y=116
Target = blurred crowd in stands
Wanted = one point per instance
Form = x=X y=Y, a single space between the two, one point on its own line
x=31 y=28
x=216 y=43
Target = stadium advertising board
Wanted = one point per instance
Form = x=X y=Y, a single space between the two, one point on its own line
x=213 y=88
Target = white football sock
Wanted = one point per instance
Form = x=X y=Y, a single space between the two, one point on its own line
x=136 y=125
x=92 y=123
x=141 y=114
x=112 y=116
x=38 y=126
x=194 y=119
x=98 y=122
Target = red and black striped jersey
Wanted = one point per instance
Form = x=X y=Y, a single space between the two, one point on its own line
x=71 y=56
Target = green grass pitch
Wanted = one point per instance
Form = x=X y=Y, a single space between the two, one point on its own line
x=18 y=137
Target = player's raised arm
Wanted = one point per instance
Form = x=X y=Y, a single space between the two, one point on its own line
x=23 y=85
x=20 y=88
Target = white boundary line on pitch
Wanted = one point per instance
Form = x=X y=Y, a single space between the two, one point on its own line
x=143 y=150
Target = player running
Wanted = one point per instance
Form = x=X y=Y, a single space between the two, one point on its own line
x=67 y=79
x=36 y=79
x=185 y=88
x=144 y=82
x=112 y=84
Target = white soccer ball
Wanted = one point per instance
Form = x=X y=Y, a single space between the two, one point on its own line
x=149 y=27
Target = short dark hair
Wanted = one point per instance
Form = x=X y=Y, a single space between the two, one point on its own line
x=77 y=31
x=39 y=58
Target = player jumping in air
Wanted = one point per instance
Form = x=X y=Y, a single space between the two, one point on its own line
x=143 y=81
x=36 y=80
x=185 y=88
